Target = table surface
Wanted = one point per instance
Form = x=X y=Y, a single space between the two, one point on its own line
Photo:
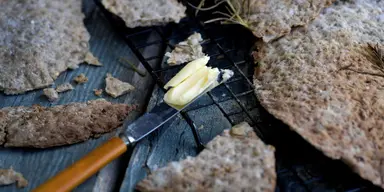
x=300 y=167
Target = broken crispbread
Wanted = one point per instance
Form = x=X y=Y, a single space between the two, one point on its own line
x=321 y=83
x=139 y=13
x=42 y=127
x=37 y=44
x=235 y=161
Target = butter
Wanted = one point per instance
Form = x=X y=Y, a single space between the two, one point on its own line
x=187 y=71
x=194 y=85
x=194 y=79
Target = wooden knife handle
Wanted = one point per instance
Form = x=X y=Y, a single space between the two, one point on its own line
x=85 y=167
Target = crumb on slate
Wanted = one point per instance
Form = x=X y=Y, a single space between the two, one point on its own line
x=91 y=59
x=98 y=92
x=9 y=176
x=64 y=87
x=80 y=79
x=51 y=94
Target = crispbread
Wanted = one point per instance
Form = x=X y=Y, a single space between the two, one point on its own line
x=186 y=51
x=304 y=82
x=9 y=176
x=39 y=39
x=235 y=161
x=144 y=13
x=115 y=88
x=271 y=19
x=42 y=127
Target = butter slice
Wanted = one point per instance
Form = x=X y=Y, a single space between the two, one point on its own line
x=187 y=71
x=194 y=85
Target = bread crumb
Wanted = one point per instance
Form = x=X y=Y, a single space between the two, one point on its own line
x=91 y=59
x=115 y=87
x=80 y=79
x=51 y=94
x=9 y=176
x=98 y=92
x=186 y=51
x=64 y=87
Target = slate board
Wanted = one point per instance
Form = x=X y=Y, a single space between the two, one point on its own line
x=39 y=165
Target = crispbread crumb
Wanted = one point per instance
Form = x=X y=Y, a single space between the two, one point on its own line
x=80 y=79
x=51 y=94
x=64 y=87
x=91 y=59
x=186 y=51
x=98 y=92
x=115 y=88
x=9 y=176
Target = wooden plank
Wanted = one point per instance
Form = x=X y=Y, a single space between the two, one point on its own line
x=39 y=165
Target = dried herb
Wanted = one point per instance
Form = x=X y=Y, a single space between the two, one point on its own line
x=124 y=60
x=233 y=15
x=375 y=55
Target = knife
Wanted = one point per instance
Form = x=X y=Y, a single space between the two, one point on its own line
x=81 y=170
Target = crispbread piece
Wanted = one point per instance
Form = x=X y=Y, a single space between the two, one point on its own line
x=271 y=19
x=43 y=127
x=9 y=176
x=115 y=88
x=64 y=87
x=186 y=51
x=235 y=161
x=314 y=80
x=39 y=40
x=144 y=13
x=51 y=94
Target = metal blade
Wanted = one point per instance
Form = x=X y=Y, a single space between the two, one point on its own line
x=160 y=114
x=149 y=122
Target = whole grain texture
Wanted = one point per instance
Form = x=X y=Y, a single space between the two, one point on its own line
x=39 y=39
x=115 y=88
x=64 y=87
x=271 y=19
x=42 y=127
x=319 y=82
x=186 y=51
x=144 y=13
x=237 y=160
x=51 y=94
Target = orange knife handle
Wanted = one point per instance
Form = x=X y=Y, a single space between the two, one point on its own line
x=85 y=167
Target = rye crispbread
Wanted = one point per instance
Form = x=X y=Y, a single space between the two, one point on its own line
x=64 y=87
x=39 y=39
x=311 y=81
x=115 y=88
x=144 y=13
x=235 y=161
x=9 y=176
x=51 y=94
x=42 y=127
x=186 y=51
x=271 y=19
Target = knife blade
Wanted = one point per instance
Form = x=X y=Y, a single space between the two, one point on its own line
x=147 y=123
